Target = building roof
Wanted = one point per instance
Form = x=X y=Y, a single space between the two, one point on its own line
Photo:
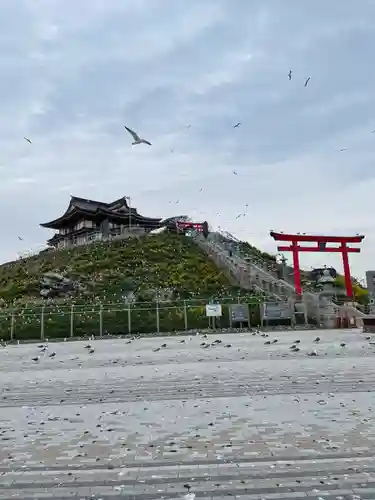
x=92 y=208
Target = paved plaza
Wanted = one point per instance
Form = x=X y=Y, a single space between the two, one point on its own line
x=222 y=416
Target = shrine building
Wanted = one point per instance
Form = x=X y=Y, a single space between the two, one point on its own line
x=86 y=221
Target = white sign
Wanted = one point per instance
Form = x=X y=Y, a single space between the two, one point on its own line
x=213 y=310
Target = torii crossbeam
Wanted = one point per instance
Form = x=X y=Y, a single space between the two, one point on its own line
x=321 y=246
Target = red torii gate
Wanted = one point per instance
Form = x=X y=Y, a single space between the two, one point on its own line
x=321 y=246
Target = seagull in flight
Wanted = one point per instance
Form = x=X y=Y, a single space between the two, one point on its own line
x=237 y=125
x=235 y=173
x=137 y=139
x=290 y=75
x=307 y=81
x=343 y=149
x=19 y=237
x=28 y=140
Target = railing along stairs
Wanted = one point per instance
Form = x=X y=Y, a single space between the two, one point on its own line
x=223 y=249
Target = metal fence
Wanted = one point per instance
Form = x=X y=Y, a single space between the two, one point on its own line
x=54 y=321
x=118 y=318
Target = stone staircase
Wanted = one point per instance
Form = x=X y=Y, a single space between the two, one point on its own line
x=250 y=275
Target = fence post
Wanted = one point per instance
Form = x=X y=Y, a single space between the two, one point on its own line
x=157 y=316
x=12 y=322
x=262 y=313
x=185 y=316
x=318 y=322
x=42 y=323
x=305 y=314
x=72 y=321
x=129 y=318
x=101 y=320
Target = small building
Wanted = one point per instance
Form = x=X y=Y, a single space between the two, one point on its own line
x=86 y=221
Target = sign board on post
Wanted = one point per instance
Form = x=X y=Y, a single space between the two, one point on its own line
x=277 y=310
x=213 y=310
x=239 y=313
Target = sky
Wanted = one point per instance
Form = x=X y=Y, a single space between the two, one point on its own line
x=72 y=74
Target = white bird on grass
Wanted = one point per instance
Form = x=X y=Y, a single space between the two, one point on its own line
x=137 y=139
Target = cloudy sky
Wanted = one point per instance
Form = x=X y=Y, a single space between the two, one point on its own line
x=74 y=73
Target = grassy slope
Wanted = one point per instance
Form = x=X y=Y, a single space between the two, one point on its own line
x=108 y=270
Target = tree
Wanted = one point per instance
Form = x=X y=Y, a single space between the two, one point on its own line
x=360 y=294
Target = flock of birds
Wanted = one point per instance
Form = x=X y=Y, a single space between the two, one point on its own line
x=44 y=351
x=139 y=140
x=89 y=428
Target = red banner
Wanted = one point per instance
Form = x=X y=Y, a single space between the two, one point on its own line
x=190 y=225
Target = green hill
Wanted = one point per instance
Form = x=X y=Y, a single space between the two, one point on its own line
x=154 y=283
x=110 y=269
x=166 y=271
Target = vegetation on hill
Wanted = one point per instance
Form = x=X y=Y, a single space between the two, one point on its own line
x=155 y=283
x=360 y=293
x=109 y=270
x=255 y=253
x=159 y=271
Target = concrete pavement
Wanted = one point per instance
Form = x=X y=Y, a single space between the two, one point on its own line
x=237 y=418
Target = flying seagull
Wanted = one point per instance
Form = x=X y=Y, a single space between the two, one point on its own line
x=19 y=237
x=28 y=140
x=343 y=149
x=137 y=139
x=237 y=125
x=307 y=81
x=235 y=173
x=290 y=75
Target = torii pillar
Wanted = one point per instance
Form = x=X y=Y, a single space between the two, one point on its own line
x=321 y=246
